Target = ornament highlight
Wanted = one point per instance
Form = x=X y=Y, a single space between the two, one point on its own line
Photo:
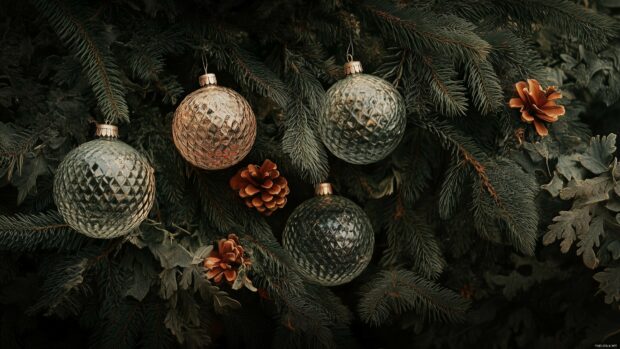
x=262 y=188
x=536 y=105
x=330 y=238
x=363 y=117
x=104 y=188
x=214 y=127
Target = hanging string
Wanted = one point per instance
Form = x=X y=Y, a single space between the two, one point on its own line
x=205 y=62
x=350 y=49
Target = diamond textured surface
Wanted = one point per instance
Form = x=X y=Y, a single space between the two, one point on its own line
x=214 y=127
x=330 y=238
x=104 y=188
x=363 y=119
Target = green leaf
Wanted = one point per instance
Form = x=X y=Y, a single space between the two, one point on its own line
x=569 y=167
x=599 y=154
x=609 y=283
x=568 y=225
x=589 y=191
x=555 y=186
x=168 y=283
x=143 y=275
x=590 y=239
x=171 y=254
x=516 y=282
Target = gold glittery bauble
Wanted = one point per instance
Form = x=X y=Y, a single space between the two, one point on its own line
x=214 y=127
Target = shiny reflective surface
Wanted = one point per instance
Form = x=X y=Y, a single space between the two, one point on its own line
x=330 y=238
x=214 y=127
x=363 y=119
x=104 y=188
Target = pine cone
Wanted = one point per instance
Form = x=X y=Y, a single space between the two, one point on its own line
x=261 y=187
x=537 y=105
x=226 y=260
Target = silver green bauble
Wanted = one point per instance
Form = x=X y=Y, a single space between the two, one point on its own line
x=104 y=188
x=363 y=117
x=330 y=238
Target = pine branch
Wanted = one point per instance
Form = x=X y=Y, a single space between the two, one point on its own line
x=300 y=140
x=421 y=31
x=246 y=68
x=411 y=239
x=61 y=279
x=590 y=28
x=452 y=189
x=85 y=39
x=394 y=292
x=448 y=95
x=512 y=215
x=484 y=85
x=31 y=232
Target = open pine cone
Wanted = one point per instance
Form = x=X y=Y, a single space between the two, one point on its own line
x=226 y=260
x=261 y=187
x=537 y=105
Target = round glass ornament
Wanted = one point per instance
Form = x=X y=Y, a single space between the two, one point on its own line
x=214 y=127
x=330 y=238
x=363 y=117
x=104 y=188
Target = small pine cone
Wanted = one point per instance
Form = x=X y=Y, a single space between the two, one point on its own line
x=226 y=260
x=536 y=105
x=261 y=187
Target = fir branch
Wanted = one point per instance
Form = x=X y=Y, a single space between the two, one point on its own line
x=448 y=94
x=30 y=232
x=484 y=85
x=410 y=238
x=85 y=39
x=61 y=279
x=512 y=215
x=300 y=140
x=397 y=291
x=590 y=28
x=421 y=30
x=451 y=189
x=246 y=68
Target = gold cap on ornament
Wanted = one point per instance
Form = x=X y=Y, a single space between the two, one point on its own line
x=106 y=130
x=207 y=79
x=323 y=189
x=353 y=67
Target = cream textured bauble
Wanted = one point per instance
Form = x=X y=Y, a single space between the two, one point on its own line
x=363 y=117
x=104 y=188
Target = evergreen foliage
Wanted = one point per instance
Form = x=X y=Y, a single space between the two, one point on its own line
x=482 y=228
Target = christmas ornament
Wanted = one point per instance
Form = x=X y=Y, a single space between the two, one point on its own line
x=536 y=105
x=363 y=117
x=104 y=188
x=228 y=262
x=214 y=127
x=261 y=187
x=330 y=238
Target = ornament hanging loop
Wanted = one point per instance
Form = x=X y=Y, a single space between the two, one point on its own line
x=350 y=50
x=206 y=78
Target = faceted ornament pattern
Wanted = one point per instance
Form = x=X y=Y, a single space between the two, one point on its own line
x=363 y=119
x=330 y=238
x=104 y=188
x=214 y=127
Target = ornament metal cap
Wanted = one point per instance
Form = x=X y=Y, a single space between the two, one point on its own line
x=106 y=130
x=353 y=67
x=323 y=189
x=207 y=79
